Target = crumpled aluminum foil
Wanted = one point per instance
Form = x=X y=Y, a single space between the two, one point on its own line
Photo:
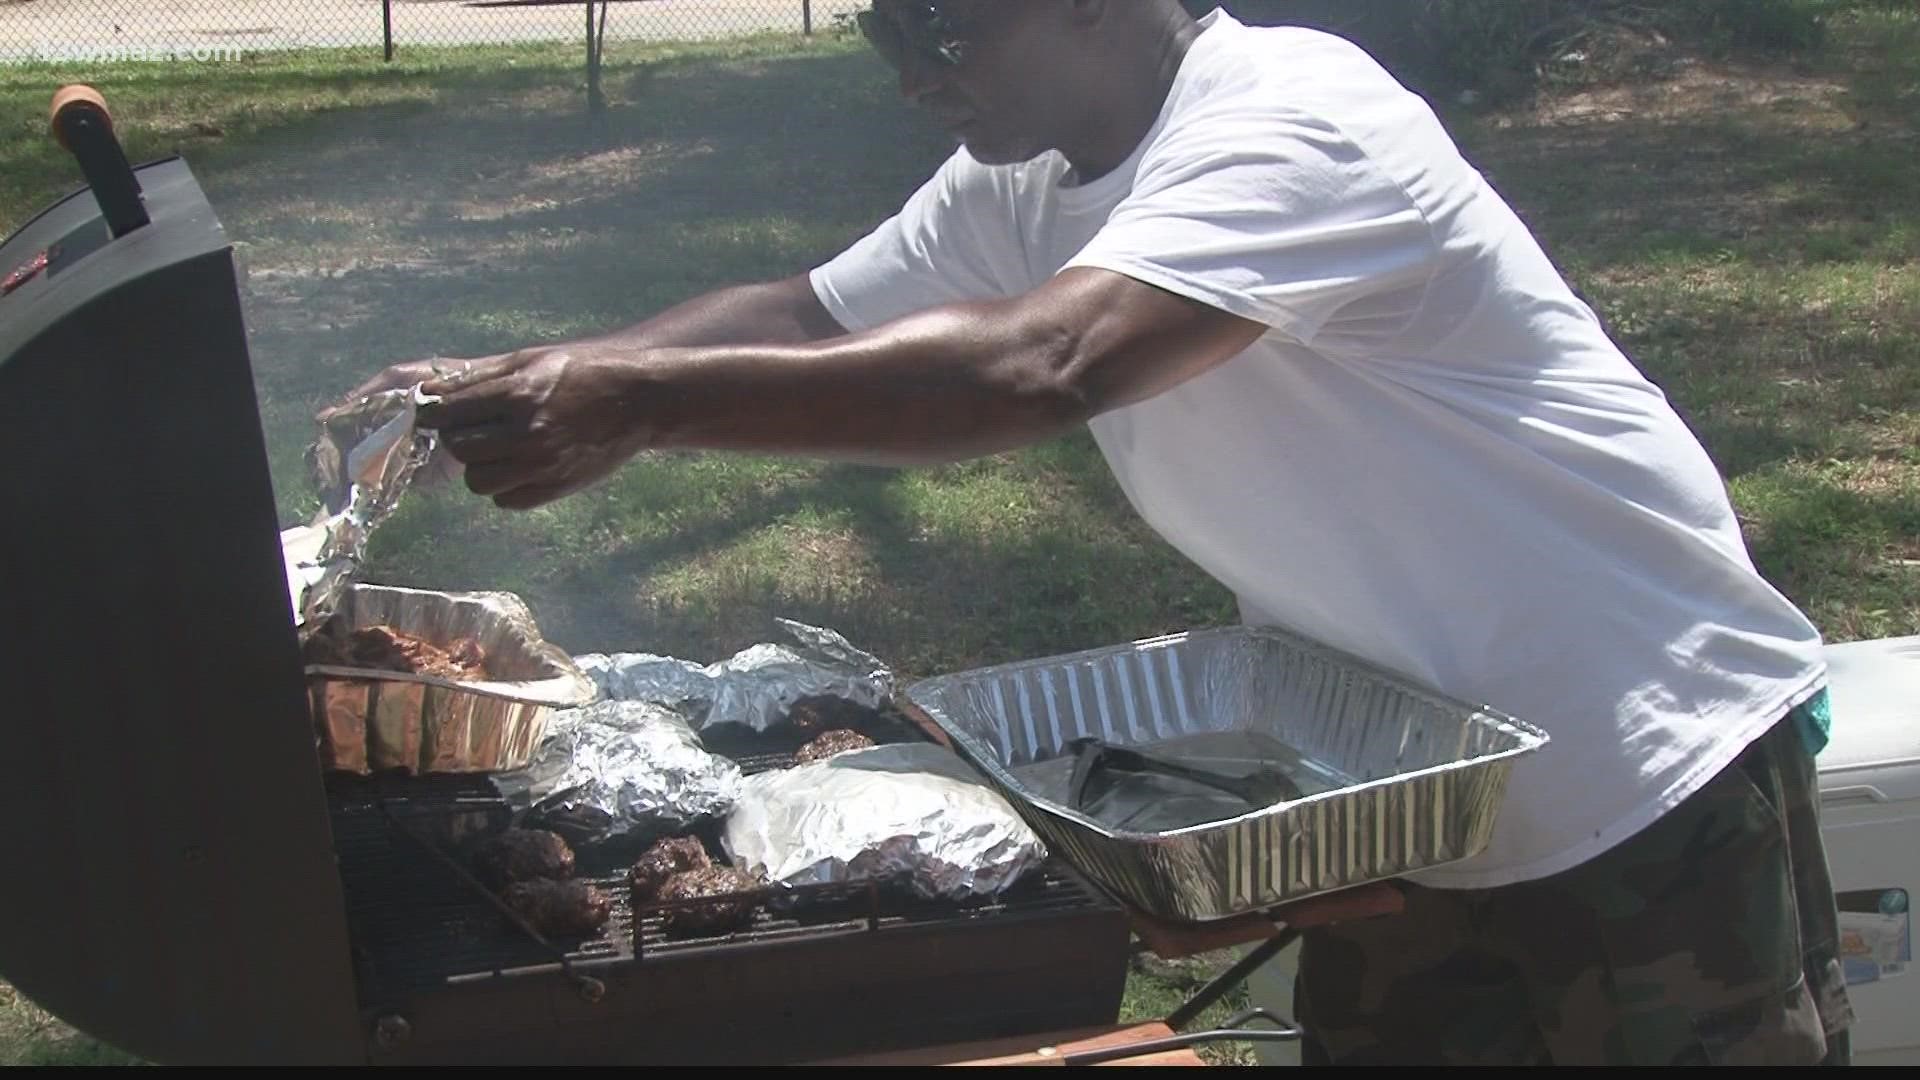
x=362 y=463
x=913 y=813
x=616 y=768
x=756 y=687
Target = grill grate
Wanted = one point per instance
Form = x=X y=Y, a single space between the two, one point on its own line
x=839 y=909
x=417 y=923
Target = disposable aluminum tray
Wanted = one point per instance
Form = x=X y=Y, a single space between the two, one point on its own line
x=373 y=721
x=1409 y=779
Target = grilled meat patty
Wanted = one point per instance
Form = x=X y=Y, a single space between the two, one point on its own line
x=522 y=855
x=674 y=855
x=559 y=909
x=717 y=887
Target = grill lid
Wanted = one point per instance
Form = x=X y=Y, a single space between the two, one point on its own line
x=170 y=881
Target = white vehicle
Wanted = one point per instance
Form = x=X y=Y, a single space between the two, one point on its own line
x=1870 y=818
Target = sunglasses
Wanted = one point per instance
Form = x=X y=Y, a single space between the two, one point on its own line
x=904 y=32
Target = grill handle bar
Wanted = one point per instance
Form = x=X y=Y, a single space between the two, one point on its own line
x=1234 y=1030
x=82 y=124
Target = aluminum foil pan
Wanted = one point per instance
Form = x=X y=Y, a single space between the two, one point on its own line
x=913 y=814
x=1389 y=778
x=374 y=721
x=620 y=768
x=365 y=458
x=757 y=687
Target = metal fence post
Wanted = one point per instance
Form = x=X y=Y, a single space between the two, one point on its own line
x=386 y=25
x=596 y=47
x=806 y=17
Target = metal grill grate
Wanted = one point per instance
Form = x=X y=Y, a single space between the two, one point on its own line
x=417 y=922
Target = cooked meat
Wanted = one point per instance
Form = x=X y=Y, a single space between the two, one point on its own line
x=718 y=886
x=833 y=742
x=466 y=656
x=382 y=648
x=327 y=648
x=674 y=855
x=559 y=909
x=522 y=855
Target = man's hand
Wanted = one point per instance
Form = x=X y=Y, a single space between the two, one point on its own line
x=538 y=425
x=399 y=377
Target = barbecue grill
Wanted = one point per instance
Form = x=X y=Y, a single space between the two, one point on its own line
x=186 y=882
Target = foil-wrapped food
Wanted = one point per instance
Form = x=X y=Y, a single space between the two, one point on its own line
x=811 y=683
x=622 y=768
x=365 y=458
x=912 y=815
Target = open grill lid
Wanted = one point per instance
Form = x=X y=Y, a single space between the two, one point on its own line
x=171 y=887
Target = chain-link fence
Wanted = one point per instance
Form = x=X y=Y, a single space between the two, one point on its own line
x=100 y=30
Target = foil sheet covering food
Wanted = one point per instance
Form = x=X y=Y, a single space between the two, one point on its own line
x=621 y=768
x=370 y=720
x=913 y=815
x=756 y=687
x=1394 y=779
x=365 y=457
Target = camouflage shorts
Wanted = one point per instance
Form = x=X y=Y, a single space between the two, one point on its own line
x=1708 y=938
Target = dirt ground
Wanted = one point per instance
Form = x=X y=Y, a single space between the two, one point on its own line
x=47 y=28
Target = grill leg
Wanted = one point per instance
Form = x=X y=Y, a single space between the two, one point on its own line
x=1224 y=983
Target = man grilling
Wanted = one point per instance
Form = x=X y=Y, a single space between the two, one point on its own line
x=1329 y=364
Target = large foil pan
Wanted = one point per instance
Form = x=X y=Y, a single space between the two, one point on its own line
x=1392 y=778
x=375 y=721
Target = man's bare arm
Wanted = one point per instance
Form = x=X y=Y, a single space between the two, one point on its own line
x=953 y=382
x=783 y=312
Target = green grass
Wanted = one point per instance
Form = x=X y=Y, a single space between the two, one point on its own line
x=1752 y=234
x=29 y=1036
x=1159 y=987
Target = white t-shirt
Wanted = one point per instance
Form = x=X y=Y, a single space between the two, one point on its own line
x=1435 y=458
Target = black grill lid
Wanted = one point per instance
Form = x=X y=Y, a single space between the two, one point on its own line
x=170 y=884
